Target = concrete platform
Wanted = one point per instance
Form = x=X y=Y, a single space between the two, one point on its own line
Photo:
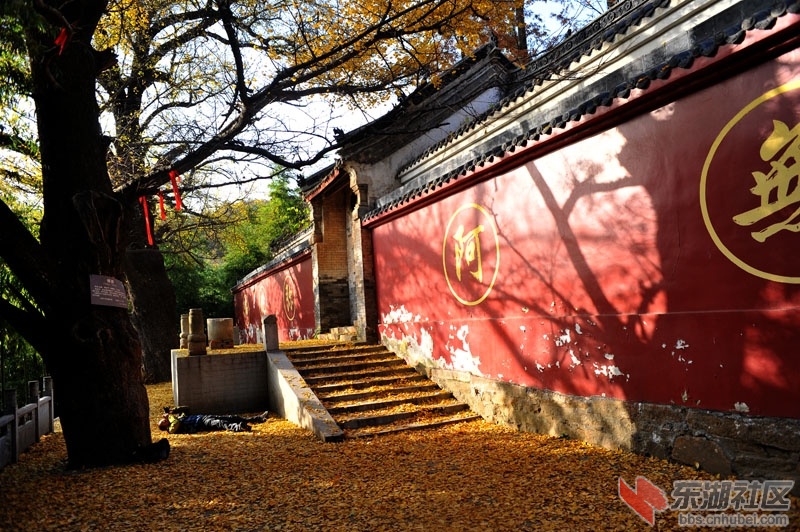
x=225 y=381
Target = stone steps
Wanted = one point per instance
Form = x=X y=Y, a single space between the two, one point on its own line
x=395 y=370
x=361 y=384
x=369 y=391
x=340 y=334
x=334 y=398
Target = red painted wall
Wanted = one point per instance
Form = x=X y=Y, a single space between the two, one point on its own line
x=656 y=261
x=287 y=292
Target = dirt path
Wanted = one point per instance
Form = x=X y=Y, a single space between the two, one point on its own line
x=476 y=476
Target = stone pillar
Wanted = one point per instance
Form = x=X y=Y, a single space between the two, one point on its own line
x=197 y=338
x=9 y=402
x=271 y=333
x=184 y=335
x=360 y=259
x=48 y=392
x=10 y=407
x=33 y=391
x=33 y=398
x=220 y=333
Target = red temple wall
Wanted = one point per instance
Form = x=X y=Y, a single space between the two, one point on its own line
x=654 y=261
x=288 y=293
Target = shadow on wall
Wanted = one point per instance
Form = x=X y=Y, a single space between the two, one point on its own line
x=617 y=316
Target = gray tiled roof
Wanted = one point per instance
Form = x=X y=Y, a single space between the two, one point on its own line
x=705 y=40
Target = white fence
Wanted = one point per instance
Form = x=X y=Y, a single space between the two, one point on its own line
x=22 y=427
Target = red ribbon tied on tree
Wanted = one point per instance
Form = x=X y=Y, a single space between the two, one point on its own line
x=173 y=176
x=61 y=40
x=161 y=205
x=146 y=211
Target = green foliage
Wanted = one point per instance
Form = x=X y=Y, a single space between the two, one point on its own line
x=14 y=73
x=245 y=236
x=289 y=212
x=19 y=364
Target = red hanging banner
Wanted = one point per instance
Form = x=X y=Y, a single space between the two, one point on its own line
x=146 y=210
x=173 y=176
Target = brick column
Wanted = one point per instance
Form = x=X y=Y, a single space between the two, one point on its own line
x=329 y=258
x=363 y=304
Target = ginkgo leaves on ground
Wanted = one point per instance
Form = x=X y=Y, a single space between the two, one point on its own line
x=475 y=476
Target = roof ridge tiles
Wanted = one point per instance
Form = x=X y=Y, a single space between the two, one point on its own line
x=619 y=14
x=761 y=20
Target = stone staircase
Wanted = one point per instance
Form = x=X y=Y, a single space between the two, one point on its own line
x=340 y=334
x=369 y=391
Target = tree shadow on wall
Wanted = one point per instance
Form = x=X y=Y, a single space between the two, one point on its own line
x=688 y=328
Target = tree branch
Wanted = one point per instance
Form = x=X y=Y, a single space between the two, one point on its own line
x=25 y=257
x=31 y=326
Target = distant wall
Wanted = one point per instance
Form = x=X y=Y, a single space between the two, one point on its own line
x=287 y=291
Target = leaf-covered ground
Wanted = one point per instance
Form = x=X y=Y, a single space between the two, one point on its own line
x=475 y=476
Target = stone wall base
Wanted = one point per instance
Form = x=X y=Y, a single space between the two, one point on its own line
x=723 y=443
x=227 y=383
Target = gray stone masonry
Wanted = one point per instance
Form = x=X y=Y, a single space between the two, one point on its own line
x=724 y=443
x=220 y=383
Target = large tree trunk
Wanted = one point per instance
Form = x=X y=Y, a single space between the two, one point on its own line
x=94 y=354
x=153 y=311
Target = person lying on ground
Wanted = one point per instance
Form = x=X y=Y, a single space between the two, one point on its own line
x=179 y=421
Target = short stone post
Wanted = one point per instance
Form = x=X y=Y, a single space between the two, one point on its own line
x=270 y=333
x=184 y=335
x=197 y=338
x=10 y=408
x=48 y=392
x=33 y=397
x=220 y=333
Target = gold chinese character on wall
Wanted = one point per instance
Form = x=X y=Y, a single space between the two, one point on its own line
x=471 y=254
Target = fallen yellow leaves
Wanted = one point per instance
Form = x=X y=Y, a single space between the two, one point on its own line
x=473 y=476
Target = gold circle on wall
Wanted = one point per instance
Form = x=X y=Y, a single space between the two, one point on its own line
x=289 y=308
x=470 y=285
x=714 y=220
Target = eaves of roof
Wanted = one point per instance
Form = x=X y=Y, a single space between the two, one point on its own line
x=605 y=29
x=317 y=182
x=683 y=62
x=428 y=105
